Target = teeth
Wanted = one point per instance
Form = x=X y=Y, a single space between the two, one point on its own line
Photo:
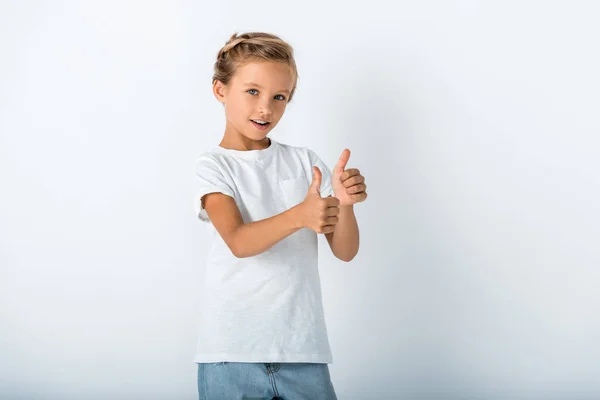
x=260 y=121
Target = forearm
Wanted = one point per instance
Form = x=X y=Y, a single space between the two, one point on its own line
x=257 y=237
x=344 y=241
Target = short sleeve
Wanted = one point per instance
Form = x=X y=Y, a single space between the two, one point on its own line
x=209 y=179
x=326 y=189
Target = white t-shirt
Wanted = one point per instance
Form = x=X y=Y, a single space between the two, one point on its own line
x=265 y=308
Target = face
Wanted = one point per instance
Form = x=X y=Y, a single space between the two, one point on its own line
x=258 y=92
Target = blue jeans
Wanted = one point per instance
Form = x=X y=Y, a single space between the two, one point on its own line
x=264 y=381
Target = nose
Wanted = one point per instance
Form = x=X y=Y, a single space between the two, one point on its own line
x=265 y=108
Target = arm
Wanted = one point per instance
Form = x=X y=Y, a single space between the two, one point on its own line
x=246 y=240
x=344 y=241
x=349 y=187
x=253 y=238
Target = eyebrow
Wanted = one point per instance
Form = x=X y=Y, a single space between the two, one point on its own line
x=257 y=85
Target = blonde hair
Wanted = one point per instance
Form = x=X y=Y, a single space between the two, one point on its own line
x=253 y=47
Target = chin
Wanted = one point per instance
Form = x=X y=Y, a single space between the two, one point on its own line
x=257 y=138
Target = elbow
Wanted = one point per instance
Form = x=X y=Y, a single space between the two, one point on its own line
x=346 y=257
x=233 y=243
x=237 y=252
x=240 y=255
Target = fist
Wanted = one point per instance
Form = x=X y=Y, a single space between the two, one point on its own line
x=348 y=184
x=318 y=213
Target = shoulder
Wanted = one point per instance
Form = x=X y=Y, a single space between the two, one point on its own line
x=210 y=160
x=213 y=167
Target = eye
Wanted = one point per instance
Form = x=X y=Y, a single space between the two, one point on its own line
x=282 y=97
x=250 y=90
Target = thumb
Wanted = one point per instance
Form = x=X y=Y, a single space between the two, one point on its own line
x=315 y=186
x=341 y=164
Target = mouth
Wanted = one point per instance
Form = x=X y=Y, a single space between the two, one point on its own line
x=260 y=124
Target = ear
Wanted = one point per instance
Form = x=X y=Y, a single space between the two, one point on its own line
x=219 y=91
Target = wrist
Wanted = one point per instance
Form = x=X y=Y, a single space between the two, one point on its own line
x=295 y=214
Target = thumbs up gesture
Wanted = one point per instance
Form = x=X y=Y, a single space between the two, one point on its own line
x=348 y=184
x=319 y=213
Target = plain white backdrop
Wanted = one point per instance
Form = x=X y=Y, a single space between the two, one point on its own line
x=475 y=124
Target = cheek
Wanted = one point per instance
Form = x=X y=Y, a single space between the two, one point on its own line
x=280 y=108
x=236 y=109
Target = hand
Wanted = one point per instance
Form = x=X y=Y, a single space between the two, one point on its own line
x=348 y=184
x=316 y=212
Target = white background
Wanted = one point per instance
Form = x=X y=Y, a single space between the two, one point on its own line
x=475 y=124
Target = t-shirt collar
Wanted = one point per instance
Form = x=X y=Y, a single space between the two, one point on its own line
x=249 y=154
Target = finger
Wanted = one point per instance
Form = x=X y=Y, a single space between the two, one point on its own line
x=361 y=187
x=341 y=164
x=350 y=172
x=332 y=220
x=359 y=197
x=332 y=201
x=332 y=211
x=355 y=180
x=315 y=185
x=327 y=229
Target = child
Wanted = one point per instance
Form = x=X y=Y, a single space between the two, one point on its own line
x=262 y=331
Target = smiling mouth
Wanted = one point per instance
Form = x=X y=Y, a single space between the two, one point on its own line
x=260 y=126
